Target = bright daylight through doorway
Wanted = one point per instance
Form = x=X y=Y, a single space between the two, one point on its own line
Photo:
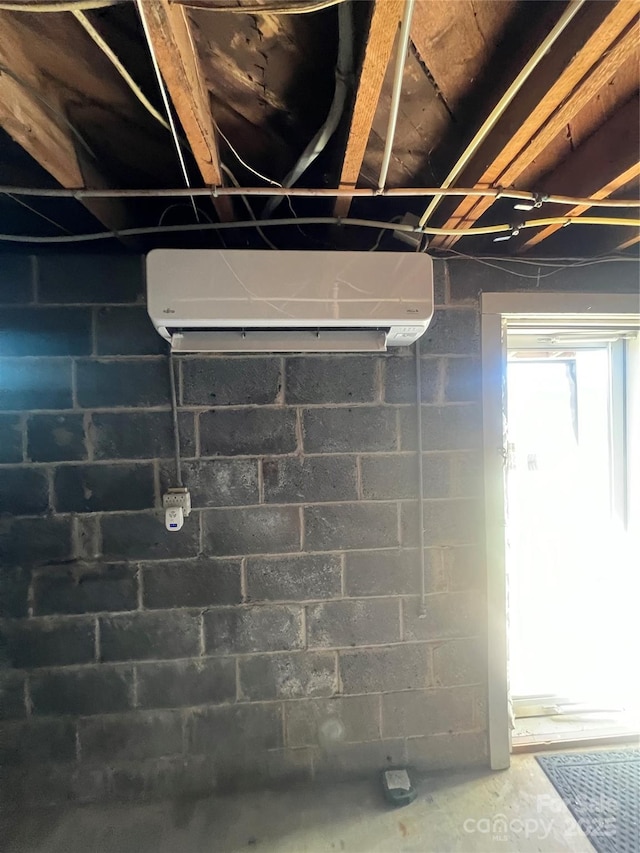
x=571 y=571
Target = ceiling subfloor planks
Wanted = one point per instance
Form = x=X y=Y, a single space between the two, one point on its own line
x=35 y=81
x=455 y=42
x=605 y=51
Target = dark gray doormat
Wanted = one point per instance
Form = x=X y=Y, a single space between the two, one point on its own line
x=602 y=791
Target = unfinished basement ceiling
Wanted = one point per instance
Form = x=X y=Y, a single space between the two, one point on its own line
x=252 y=82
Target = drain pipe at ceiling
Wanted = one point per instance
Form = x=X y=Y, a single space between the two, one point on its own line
x=401 y=58
x=344 y=78
x=496 y=113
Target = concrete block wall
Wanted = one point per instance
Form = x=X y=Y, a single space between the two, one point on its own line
x=278 y=636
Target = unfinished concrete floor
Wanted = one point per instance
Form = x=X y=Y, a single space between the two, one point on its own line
x=453 y=812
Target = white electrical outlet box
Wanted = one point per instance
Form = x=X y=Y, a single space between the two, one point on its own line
x=177 y=506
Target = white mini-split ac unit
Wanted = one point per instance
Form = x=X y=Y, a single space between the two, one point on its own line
x=264 y=301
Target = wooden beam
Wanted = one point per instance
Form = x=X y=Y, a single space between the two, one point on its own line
x=177 y=57
x=628 y=243
x=602 y=165
x=382 y=33
x=614 y=42
x=33 y=108
x=607 y=190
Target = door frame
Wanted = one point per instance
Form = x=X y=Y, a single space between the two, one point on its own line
x=496 y=310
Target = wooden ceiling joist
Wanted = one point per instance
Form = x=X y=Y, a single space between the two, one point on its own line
x=605 y=163
x=627 y=244
x=34 y=113
x=382 y=32
x=614 y=42
x=611 y=187
x=179 y=64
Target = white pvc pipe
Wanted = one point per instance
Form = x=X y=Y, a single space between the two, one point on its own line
x=401 y=58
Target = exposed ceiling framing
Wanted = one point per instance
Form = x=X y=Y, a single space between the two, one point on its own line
x=614 y=148
x=33 y=110
x=380 y=40
x=172 y=44
x=250 y=83
x=588 y=68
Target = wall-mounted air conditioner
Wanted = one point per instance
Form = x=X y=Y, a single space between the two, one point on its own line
x=263 y=301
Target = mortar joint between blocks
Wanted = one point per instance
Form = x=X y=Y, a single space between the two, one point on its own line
x=280 y=397
x=379 y=380
x=24 y=427
x=74 y=386
x=97 y=640
x=94 y=331
x=200 y=534
x=201 y=638
x=260 y=463
x=359 y=492
x=243 y=580
x=26 y=696
x=196 y=433
x=185 y=717
x=299 y=433
x=75 y=539
x=134 y=687
x=430 y=671
x=157 y=489
x=31 y=598
x=139 y=587
x=442 y=381
x=87 y=429
x=97 y=540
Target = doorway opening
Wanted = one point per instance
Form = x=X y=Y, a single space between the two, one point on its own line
x=572 y=579
x=561 y=435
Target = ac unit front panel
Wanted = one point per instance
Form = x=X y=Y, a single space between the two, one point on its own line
x=263 y=289
x=217 y=290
